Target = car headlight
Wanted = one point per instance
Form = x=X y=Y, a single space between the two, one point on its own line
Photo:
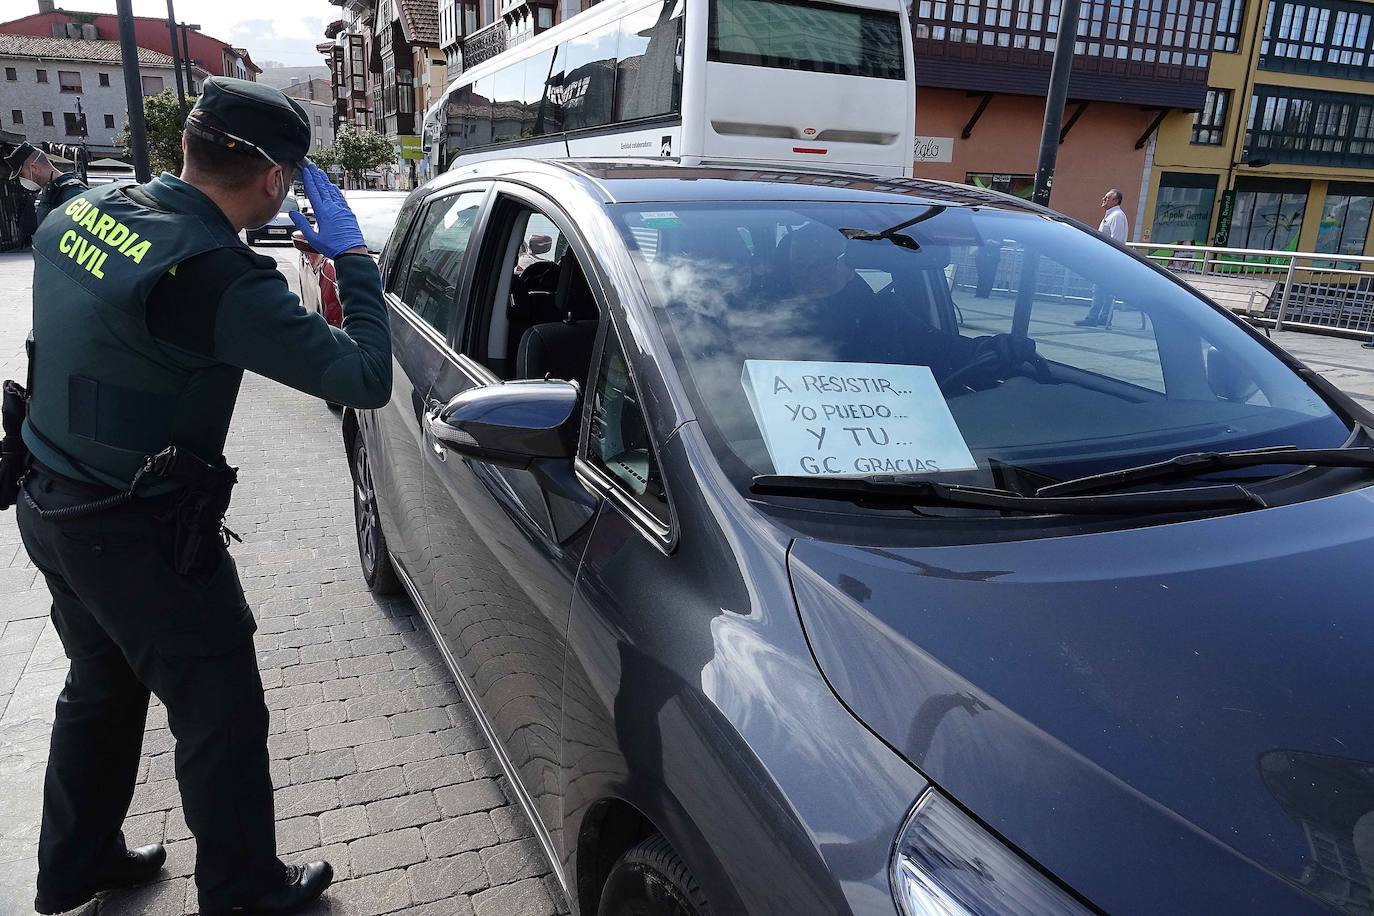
x=945 y=864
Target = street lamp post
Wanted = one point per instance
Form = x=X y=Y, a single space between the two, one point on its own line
x=176 y=59
x=1054 y=103
x=133 y=91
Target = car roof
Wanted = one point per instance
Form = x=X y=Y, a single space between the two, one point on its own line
x=656 y=181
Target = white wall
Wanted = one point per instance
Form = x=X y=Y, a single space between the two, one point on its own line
x=33 y=98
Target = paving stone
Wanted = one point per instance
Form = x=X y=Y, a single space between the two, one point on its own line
x=459 y=834
x=511 y=824
x=452 y=906
x=181 y=859
x=288 y=745
x=373 y=895
x=384 y=851
x=312 y=673
x=345 y=688
x=297 y=833
x=405 y=811
x=398 y=751
x=165 y=898
x=350 y=734
x=367 y=664
x=470 y=797
x=373 y=785
x=510 y=862
x=299 y=695
x=330 y=764
x=524 y=898
x=437 y=773
x=308 y=717
x=343 y=824
x=155 y=796
x=309 y=798
x=378 y=704
x=447 y=879
x=414 y=723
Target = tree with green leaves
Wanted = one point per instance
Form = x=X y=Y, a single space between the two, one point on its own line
x=356 y=151
x=163 y=114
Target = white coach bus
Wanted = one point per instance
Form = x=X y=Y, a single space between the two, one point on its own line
x=754 y=82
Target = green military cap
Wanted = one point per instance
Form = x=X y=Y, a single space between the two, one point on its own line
x=253 y=118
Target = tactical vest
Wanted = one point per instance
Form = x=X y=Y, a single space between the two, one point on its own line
x=106 y=393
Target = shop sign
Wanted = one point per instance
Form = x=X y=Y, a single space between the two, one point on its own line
x=1228 y=210
x=934 y=149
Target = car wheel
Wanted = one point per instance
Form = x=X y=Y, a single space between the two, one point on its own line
x=378 y=572
x=651 y=880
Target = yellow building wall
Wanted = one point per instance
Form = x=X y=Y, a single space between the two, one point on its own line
x=1239 y=72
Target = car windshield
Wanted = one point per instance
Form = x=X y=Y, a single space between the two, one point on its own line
x=376 y=217
x=811 y=345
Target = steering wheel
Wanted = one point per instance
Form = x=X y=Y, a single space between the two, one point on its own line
x=1034 y=367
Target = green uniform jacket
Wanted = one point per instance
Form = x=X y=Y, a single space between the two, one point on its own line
x=210 y=317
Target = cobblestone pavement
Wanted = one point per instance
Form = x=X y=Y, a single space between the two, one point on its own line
x=379 y=766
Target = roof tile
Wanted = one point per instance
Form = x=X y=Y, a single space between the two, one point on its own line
x=75 y=49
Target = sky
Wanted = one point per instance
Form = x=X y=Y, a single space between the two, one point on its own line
x=285 y=31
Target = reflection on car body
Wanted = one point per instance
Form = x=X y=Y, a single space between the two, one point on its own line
x=629 y=480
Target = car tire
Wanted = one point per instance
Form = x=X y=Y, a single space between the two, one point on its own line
x=651 y=880
x=378 y=572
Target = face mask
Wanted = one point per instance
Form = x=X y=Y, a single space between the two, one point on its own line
x=29 y=184
x=281 y=187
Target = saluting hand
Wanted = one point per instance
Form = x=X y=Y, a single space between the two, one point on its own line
x=336 y=229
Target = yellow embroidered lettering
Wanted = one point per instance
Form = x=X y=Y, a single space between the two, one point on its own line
x=136 y=253
x=103 y=226
x=88 y=221
x=118 y=235
x=124 y=250
x=64 y=244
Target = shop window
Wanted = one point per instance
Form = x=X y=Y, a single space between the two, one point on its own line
x=1345 y=219
x=1183 y=209
x=1209 y=124
x=1268 y=214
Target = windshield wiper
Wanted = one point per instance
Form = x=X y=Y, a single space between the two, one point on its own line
x=893 y=234
x=914 y=491
x=1201 y=462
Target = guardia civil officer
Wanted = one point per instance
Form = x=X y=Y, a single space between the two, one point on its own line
x=147 y=309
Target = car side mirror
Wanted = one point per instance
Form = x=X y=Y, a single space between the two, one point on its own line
x=301 y=244
x=1229 y=379
x=513 y=424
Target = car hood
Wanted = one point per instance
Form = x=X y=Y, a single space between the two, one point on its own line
x=1172 y=719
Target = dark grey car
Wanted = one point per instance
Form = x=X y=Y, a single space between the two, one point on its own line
x=799 y=554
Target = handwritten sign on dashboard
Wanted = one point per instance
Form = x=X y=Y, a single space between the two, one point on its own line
x=830 y=419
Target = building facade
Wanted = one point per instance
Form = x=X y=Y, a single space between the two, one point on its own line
x=70 y=92
x=216 y=57
x=1281 y=155
x=982 y=71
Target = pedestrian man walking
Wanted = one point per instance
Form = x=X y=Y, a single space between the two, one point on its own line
x=1115 y=227
x=147 y=309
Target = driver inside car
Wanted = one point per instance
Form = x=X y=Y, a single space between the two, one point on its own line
x=864 y=326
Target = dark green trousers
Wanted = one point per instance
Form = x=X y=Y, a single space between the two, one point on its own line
x=130 y=625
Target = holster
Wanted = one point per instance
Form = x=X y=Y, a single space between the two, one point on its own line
x=14 y=455
x=198 y=506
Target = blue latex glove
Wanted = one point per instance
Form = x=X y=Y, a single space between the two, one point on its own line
x=336 y=228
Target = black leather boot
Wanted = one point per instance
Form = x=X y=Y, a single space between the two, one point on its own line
x=304 y=885
x=135 y=866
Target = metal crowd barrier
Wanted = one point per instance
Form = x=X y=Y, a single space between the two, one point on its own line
x=1330 y=293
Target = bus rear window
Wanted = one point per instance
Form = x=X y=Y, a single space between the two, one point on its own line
x=820 y=37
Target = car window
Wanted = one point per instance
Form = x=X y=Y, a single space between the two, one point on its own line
x=978 y=339
x=537 y=313
x=428 y=279
x=986 y=283
x=619 y=443
x=376 y=217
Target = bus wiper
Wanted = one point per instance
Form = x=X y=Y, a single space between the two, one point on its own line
x=900 y=491
x=894 y=234
x=1201 y=462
